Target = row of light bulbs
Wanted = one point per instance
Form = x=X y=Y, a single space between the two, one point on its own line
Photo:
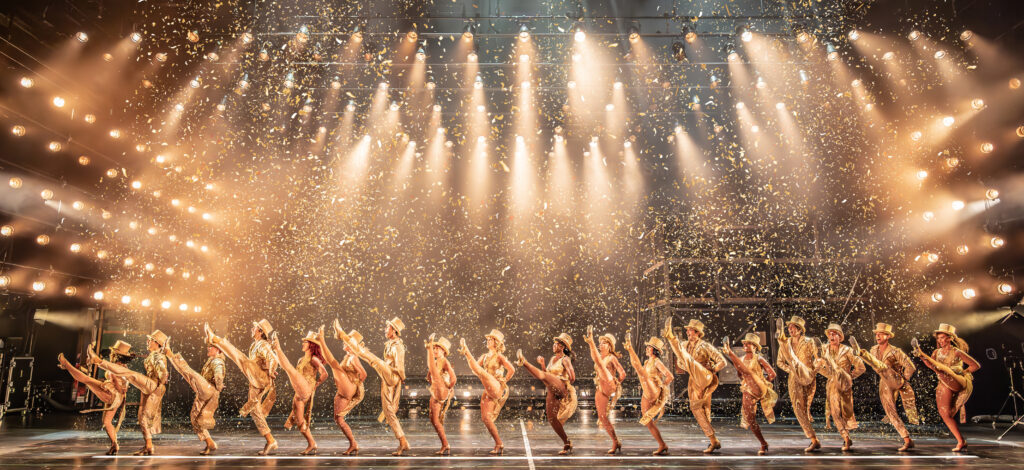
x=969 y=293
x=40 y=285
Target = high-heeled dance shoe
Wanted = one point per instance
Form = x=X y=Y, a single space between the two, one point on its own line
x=815 y=445
x=712 y=447
x=268 y=449
x=351 y=451
x=615 y=450
x=113 y=449
x=764 y=450
x=847 y=444
x=498 y=450
x=144 y=451
x=312 y=451
x=660 y=452
x=567 y=449
x=961 y=447
x=444 y=451
x=908 y=444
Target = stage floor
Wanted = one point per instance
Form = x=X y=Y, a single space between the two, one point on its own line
x=529 y=444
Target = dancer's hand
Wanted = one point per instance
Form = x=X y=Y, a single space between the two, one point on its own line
x=725 y=345
x=915 y=347
x=320 y=336
x=627 y=342
x=166 y=347
x=274 y=341
x=589 y=338
x=780 y=327
x=338 y=331
x=855 y=346
x=520 y=359
x=667 y=331
x=462 y=346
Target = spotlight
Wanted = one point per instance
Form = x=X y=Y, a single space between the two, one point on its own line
x=165 y=304
x=969 y=293
x=421 y=55
x=431 y=85
x=831 y=52
x=1020 y=131
x=18 y=130
x=579 y=35
x=357 y=34
x=75 y=247
x=571 y=84
x=468 y=31
x=803 y=77
x=914 y=35
x=15 y=182
x=70 y=291
x=1014 y=83
x=939 y=54
x=888 y=56
x=854 y=35
x=264 y=55
x=996 y=242
x=98 y=295
x=136 y=184
x=146 y=302
x=82 y=37
x=936 y=297
x=5 y=281
x=931 y=257
x=1005 y=288
x=780 y=106
x=115 y=133
x=102 y=254
x=303 y=35
x=472 y=57
x=135 y=37
x=922 y=174
x=53 y=146
x=928 y=216
x=634 y=34
x=78 y=205
x=688 y=34
x=27 y=82
x=38 y=286
x=957 y=205
x=43 y=240
x=617 y=85
x=743 y=31
x=678 y=51
x=987 y=147
x=289 y=80
x=58 y=101
x=351 y=106
x=948 y=121
x=195 y=83
x=46 y=194
x=524 y=33
x=741 y=105
x=952 y=162
x=6 y=230
x=394 y=106
x=162 y=57
x=733 y=56
x=760 y=83
x=966 y=35
x=89 y=118
x=478 y=83
x=335 y=83
x=126 y=299
x=977 y=104
x=411 y=36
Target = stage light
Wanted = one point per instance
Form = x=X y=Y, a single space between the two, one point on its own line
x=952 y=162
x=962 y=250
x=1014 y=83
x=394 y=106
x=478 y=83
x=804 y=78
x=678 y=51
x=102 y=254
x=46 y=194
x=38 y=286
x=744 y=33
x=856 y=83
x=921 y=175
x=634 y=34
x=1020 y=131
x=579 y=35
x=468 y=31
x=146 y=302
x=733 y=56
x=830 y=52
x=421 y=55
x=183 y=307
x=780 y=106
x=431 y=85
x=524 y=33
x=948 y=121
x=524 y=58
x=609 y=107
x=957 y=205
x=335 y=83
x=939 y=54
x=688 y=34
x=264 y=55
x=89 y=118
x=853 y=35
x=996 y=242
x=802 y=37
x=303 y=35
x=115 y=133
x=936 y=297
x=136 y=184
x=14 y=182
x=991 y=194
x=129 y=261
x=126 y=299
x=53 y=146
x=740 y=105
x=472 y=57
x=289 y=80
x=987 y=147
x=969 y=293
x=70 y=291
x=165 y=304
x=916 y=135
x=5 y=281
x=351 y=106
x=43 y=240
x=525 y=85
x=914 y=35
x=27 y=82
x=576 y=57
x=82 y=37
x=246 y=37
x=151 y=230
x=195 y=83
x=1005 y=288
x=760 y=83
x=207 y=216
x=931 y=257
x=169 y=271
x=966 y=35
x=78 y=205
x=58 y=101
x=888 y=56
x=98 y=295
x=977 y=104
x=928 y=216
x=411 y=36
x=6 y=230
x=149 y=266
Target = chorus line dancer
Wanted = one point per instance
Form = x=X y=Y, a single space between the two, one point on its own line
x=349 y=377
x=111 y=391
x=494 y=371
x=841 y=367
x=894 y=369
x=955 y=370
x=305 y=376
x=207 y=385
x=701 y=361
x=655 y=379
x=260 y=369
x=754 y=385
x=558 y=377
x=441 y=377
x=796 y=357
x=608 y=377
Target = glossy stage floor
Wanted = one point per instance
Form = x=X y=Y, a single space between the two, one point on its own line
x=61 y=441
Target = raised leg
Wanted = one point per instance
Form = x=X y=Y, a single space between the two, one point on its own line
x=95 y=386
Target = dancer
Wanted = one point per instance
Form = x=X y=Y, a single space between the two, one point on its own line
x=349 y=376
x=840 y=366
x=558 y=378
x=796 y=356
x=894 y=369
x=110 y=391
x=391 y=370
x=955 y=370
x=494 y=371
x=654 y=382
x=441 y=376
x=701 y=361
x=753 y=385
x=608 y=377
x=305 y=376
x=152 y=385
x=260 y=369
x=207 y=385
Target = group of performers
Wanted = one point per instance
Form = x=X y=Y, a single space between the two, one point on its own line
x=800 y=357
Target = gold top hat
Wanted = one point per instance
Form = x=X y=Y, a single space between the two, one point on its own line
x=121 y=347
x=264 y=326
x=884 y=328
x=565 y=339
x=397 y=324
x=838 y=329
x=444 y=344
x=945 y=328
x=609 y=338
x=799 y=322
x=497 y=335
x=356 y=336
x=752 y=338
x=159 y=337
x=656 y=343
x=695 y=325
x=310 y=336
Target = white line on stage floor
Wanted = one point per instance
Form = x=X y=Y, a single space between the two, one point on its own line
x=526 y=445
x=531 y=458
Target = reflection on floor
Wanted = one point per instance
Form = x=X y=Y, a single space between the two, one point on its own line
x=66 y=440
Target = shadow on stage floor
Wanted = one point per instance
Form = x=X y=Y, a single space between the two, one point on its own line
x=59 y=441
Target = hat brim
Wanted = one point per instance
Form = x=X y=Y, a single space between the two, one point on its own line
x=891 y=334
x=500 y=340
x=563 y=343
x=698 y=330
x=802 y=328
x=757 y=345
x=936 y=333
